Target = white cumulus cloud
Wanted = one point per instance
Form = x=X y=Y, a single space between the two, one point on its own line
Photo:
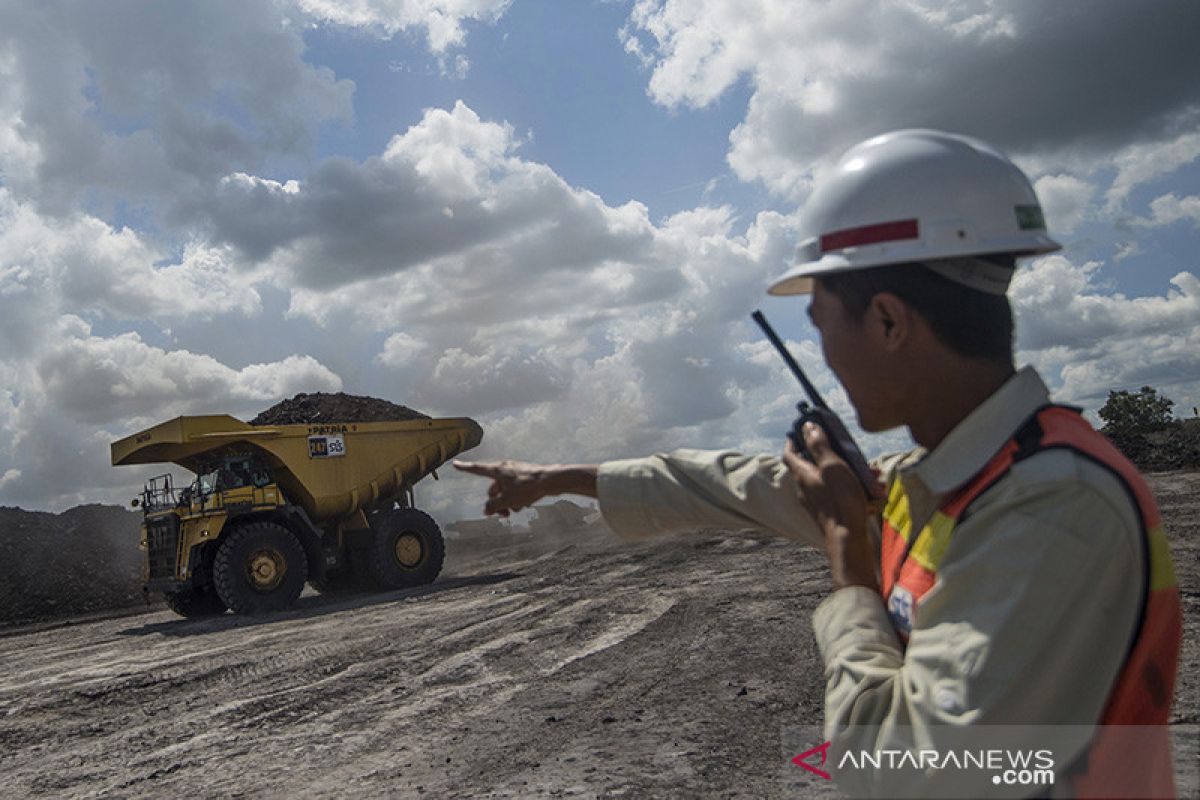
x=1090 y=78
x=76 y=392
x=1170 y=208
x=442 y=20
x=78 y=263
x=143 y=102
x=1066 y=200
x=1089 y=340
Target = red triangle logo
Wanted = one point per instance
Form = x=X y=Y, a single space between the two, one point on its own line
x=800 y=760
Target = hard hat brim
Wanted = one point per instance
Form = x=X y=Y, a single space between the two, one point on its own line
x=799 y=279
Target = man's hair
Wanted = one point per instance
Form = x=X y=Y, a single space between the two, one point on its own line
x=969 y=322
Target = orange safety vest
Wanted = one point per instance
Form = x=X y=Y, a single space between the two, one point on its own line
x=1143 y=690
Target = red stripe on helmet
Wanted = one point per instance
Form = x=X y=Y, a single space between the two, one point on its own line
x=870 y=234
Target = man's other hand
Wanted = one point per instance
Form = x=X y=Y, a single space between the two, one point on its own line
x=830 y=491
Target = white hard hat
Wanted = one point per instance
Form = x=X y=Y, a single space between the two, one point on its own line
x=919 y=195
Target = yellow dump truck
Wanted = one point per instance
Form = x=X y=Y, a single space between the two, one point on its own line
x=274 y=506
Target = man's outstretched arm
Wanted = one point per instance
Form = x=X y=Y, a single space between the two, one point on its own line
x=682 y=490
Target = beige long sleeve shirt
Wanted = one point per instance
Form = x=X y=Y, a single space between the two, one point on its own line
x=1034 y=605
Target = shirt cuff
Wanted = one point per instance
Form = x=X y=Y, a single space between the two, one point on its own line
x=849 y=618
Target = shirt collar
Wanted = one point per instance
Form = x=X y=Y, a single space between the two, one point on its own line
x=974 y=441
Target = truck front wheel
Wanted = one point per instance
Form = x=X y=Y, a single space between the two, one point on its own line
x=406 y=549
x=259 y=567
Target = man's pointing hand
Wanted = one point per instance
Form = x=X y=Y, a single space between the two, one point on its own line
x=517 y=485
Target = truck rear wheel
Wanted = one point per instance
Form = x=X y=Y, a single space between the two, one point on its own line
x=406 y=550
x=193 y=603
x=259 y=567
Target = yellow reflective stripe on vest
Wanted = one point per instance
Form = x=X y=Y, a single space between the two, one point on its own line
x=896 y=510
x=931 y=545
x=1162 y=567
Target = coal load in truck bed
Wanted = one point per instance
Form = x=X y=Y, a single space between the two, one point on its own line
x=334 y=407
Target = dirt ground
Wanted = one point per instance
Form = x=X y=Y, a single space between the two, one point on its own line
x=598 y=668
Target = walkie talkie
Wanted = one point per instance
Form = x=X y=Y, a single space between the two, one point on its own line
x=821 y=414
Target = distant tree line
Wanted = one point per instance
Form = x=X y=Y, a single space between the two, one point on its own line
x=1141 y=424
x=1142 y=411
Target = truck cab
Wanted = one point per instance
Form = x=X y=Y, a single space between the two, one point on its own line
x=181 y=528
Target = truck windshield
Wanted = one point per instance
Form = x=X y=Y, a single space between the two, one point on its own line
x=231 y=472
x=244 y=470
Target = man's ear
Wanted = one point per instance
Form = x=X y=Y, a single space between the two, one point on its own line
x=891 y=319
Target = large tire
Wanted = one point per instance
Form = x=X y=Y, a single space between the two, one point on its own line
x=406 y=550
x=259 y=567
x=194 y=603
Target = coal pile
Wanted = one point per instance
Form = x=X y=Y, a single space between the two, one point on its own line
x=1176 y=447
x=82 y=560
x=322 y=407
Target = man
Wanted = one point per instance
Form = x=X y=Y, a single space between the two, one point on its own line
x=1018 y=572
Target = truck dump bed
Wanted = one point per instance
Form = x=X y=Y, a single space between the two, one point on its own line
x=332 y=470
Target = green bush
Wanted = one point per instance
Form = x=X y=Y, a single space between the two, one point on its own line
x=1136 y=412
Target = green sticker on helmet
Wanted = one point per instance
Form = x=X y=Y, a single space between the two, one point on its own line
x=1030 y=218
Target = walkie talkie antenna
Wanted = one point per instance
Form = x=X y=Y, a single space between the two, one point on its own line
x=809 y=389
x=822 y=415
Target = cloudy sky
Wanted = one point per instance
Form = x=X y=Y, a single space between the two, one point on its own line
x=554 y=217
